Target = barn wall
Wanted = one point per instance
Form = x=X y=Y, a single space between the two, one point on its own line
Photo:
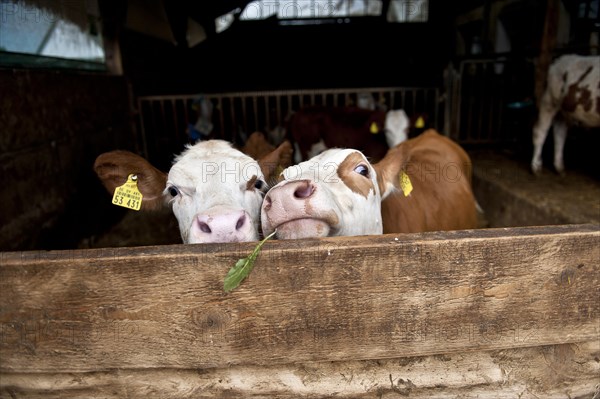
x=53 y=125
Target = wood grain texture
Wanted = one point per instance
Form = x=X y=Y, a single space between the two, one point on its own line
x=555 y=371
x=316 y=300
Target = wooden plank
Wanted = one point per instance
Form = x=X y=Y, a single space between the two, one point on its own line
x=333 y=299
x=558 y=371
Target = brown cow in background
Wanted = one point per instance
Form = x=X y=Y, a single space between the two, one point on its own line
x=314 y=129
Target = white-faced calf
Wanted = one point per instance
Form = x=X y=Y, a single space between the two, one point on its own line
x=425 y=185
x=215 y=190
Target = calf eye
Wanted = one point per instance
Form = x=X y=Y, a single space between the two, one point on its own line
x=261 y=186
x=362 y=170
x=173 y=191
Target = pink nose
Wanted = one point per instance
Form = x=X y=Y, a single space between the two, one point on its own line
x=299 y=190
x=303 y=189
x=220 y=227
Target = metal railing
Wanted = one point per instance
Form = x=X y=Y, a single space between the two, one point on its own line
x=489 y=101
x=164 y=120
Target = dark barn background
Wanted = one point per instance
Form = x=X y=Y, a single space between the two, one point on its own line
x=56 y=117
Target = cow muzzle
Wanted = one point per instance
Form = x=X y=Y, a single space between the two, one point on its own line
x=291 y=209
x=222 y=224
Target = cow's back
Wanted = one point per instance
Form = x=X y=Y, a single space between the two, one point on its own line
x=441 y=198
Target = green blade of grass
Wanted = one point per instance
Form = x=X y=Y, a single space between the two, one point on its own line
x=243 y=267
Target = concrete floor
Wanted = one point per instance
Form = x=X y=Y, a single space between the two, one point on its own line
x=512 y=196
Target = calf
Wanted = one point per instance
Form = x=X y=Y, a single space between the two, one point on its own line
x=572 y=95
x=425 y=183
x=215 y=190
x=316 y=128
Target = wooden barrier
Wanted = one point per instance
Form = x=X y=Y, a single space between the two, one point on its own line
x=513 y=312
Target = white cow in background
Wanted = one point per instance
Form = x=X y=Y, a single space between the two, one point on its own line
x=572 y=96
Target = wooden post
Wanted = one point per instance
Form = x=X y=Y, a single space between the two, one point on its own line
x=547 y=45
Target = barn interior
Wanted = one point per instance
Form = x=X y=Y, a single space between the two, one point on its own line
x=66 y=99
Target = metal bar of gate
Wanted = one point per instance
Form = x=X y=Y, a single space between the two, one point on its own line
x=226 y=108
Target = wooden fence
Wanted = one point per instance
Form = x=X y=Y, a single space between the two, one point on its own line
x=505 y=313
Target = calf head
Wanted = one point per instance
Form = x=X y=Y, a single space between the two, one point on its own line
x=215 y=190
x=337 y=193
x=397 y=126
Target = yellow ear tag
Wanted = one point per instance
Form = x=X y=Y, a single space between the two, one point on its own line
x=374 y=129
x=128 y=195
x=420 y=123
x=405 y=184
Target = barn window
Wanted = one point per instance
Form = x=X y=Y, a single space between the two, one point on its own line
x=51 y=34
x=305 y=12
x=588 y=9
x=408 y=11
x=304 y=9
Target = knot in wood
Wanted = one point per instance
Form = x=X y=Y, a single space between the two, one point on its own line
x=210 y=320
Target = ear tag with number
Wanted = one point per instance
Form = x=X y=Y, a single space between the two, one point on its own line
x=405 y=184
x=374 y=129
x=128 y=195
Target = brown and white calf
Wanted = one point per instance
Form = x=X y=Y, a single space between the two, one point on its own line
x=339 y=193
x=572 y=96
x=215 y=190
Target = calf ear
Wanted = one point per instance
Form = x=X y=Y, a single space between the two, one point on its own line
x=277 y=160
x=257 y=146
x=389 y=168
x=114 y=167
